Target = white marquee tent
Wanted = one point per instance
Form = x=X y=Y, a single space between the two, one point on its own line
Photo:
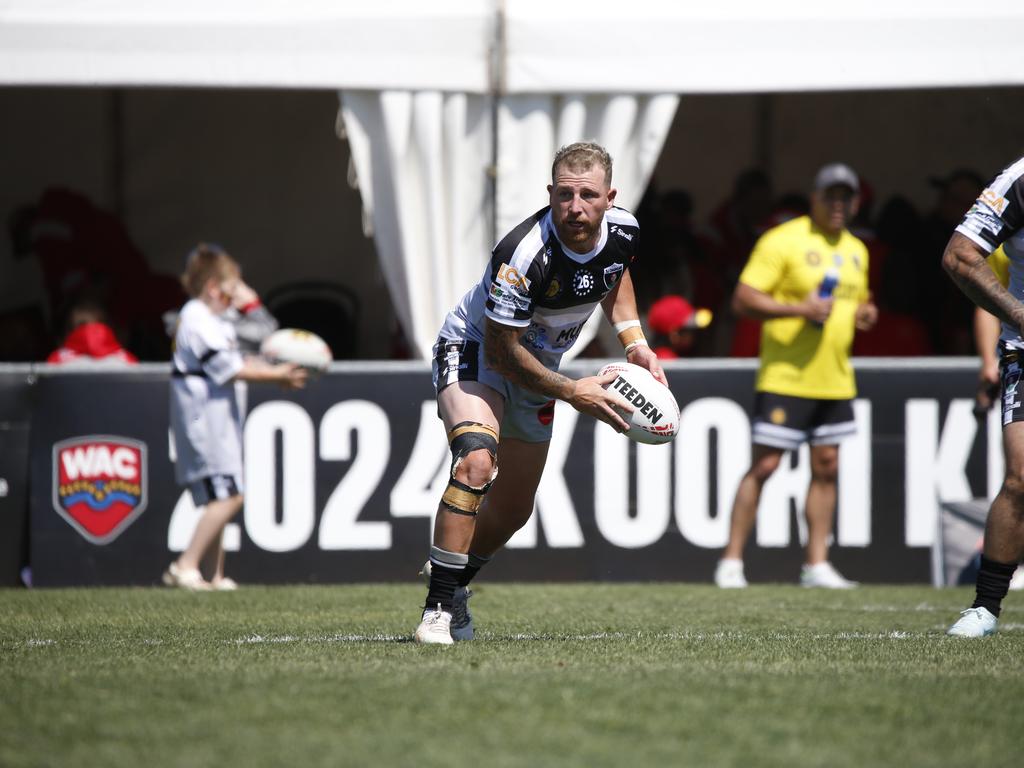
x=453 y=108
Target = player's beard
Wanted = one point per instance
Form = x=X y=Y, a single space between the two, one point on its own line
x=579 y=236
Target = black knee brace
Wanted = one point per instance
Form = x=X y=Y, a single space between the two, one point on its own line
x=466 y=437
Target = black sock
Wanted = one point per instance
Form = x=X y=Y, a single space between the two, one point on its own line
x=443 y=583
x=993 y=584
x=476 y=562
x=445 y=570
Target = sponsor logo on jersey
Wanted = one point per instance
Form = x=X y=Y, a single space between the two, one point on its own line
x=510 y=277
x=536 y=337
x=569 y=335
x=813 y=258
x=554 y=288
x=994 y=201
x=508 y=299
x=615 y=230
x=612 y=275
x=99 y=484
x=981 y=219
x=582 y=282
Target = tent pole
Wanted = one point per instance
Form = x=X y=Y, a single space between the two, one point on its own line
x=499 y=52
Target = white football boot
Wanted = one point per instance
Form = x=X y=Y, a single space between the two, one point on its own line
x=974 y=622
x=1017 y=582
x=729 y=574
x=434 y=628
x=462 y=619
x=824 y=575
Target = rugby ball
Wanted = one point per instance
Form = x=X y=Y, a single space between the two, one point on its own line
x=293 y=345
x=655 y=417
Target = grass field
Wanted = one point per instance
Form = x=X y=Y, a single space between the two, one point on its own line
x=566 y=675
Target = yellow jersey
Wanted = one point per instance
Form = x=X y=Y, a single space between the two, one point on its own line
x=1000 y=264
x=800 y=358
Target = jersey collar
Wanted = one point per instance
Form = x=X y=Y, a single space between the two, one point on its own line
x=581 y=258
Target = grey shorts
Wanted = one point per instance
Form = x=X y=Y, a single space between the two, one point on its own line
x=528 y=415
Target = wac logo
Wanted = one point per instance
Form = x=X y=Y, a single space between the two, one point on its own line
x=99 y=484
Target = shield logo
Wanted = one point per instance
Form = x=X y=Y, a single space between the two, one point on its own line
x=612 y=275
x=100 y=484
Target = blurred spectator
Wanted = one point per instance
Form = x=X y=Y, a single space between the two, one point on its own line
x=732 y=231
x=895 y=267
x=671 y=261
x=737 y=223
x=90 y=339
x=950 y=313
x=80 y=247
x=674 y=322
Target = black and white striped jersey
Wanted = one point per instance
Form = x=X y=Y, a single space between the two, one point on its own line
x=536 y=283
x=997 y=218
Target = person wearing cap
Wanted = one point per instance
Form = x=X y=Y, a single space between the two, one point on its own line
x=674 y=320
x=806 y=279
x=997 y=219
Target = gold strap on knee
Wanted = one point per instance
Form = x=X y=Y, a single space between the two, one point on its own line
x=466 y=437
x=463 y=499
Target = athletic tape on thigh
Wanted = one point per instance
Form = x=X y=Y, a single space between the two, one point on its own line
x=464 y=438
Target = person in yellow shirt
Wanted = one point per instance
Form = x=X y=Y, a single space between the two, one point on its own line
x=807 y=280
x=986 y=339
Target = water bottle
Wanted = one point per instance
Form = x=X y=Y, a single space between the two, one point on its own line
x=828 y=283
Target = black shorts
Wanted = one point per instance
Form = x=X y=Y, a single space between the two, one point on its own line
x=783 y=421
x=1009 y=373
x=214 y=488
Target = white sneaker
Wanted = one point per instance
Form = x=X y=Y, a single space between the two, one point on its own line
x=434 y=628
x=1017 y=582
x=729 y=574
x=182 y=578
x=824 y=575
x=462 y=619
x=974 y=622
x=224 y=584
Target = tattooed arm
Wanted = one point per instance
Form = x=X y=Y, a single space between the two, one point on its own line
x=508 y=357
x=966 y=264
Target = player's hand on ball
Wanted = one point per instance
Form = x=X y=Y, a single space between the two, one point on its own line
x=645 y=357
x=293 y=376
x=591 y=397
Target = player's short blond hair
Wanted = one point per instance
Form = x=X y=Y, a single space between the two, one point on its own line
x=582 y=156
x=204 y=262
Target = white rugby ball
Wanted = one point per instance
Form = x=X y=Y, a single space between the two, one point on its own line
x=293 y=345
x=655 y=417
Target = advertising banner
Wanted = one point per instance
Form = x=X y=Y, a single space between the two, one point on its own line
x=343 y=478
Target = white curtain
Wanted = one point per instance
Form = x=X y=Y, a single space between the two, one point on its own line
x=422 y=161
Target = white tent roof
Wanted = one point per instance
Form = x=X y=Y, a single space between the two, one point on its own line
x=442 y=44
x=752 y=45
x=604 y=46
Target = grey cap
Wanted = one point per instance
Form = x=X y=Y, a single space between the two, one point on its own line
x=836 y=173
